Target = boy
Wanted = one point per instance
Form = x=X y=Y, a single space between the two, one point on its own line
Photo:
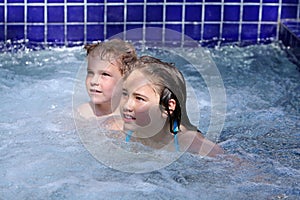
x=107 y=63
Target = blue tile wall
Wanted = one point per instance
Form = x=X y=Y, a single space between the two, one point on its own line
x=154 y=13
x=75 y=33
x=267 y=31
x=289 y=11
x=212 y=13
x=55 y=34
x=94 y=32
x=15 y=1
x=55 y=14
x=15 y=14
x=33 y=33
x=193 y=30
x=114 y=29
x=251 y=13
x=231 y=13
x=135 y=13
x=95 y=13
x=63 y=22
x=230 y=32
x=115 y=14
x=1 y=33
x=269 y=13
x=174 y=13
x=78 y=15
x=55 y=1
x=211 y=31
x=1 y=13
x=35 y=14
x=193 y=13
x=35 y=1
x=249 y=31
x=290 y=36
x=15 y=31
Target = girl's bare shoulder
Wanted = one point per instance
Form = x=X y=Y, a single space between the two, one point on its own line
x=198 y=144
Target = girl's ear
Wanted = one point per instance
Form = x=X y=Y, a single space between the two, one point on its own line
x=172 y=105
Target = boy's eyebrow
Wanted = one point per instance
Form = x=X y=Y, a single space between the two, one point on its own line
x=101 y=70
x=113 y=63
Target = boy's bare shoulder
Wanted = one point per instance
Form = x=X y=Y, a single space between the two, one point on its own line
x=85 y=111
x=114 y=122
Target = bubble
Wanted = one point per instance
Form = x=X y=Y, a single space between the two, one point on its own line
x=109 y=147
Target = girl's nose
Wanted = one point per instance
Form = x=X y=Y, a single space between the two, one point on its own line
x=128 y=105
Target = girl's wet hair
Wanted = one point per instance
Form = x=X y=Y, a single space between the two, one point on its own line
x=114 y=50
x=169 y=83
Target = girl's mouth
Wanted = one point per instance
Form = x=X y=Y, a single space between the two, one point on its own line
x=128 y=117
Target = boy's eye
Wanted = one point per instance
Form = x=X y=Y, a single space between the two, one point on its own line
x=105 y=74
x=90 y=72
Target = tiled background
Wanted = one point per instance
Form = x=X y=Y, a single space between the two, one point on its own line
x=67 y=21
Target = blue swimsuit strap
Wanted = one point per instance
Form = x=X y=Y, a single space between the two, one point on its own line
x=128 y=135
x=175 y=128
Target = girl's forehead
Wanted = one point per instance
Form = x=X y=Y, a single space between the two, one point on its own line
x=136 y=79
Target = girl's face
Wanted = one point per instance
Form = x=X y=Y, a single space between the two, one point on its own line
x=101 y=80
x=140 y=107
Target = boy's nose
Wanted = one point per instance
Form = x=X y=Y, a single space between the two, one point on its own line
x=95 y=80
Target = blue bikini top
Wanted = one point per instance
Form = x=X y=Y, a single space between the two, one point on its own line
x=175 y=128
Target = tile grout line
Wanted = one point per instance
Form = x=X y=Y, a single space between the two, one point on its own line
x=241 y=21
x=259 y=21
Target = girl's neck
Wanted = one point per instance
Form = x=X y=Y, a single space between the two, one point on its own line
x=163 y=136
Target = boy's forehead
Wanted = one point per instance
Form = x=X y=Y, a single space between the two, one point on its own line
x=101 y=64
x=104 y=54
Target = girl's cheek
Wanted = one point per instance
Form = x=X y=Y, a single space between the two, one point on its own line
x=143 y=120
x=142 y=115
x=147 y=114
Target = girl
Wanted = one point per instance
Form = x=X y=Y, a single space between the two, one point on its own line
x=153 y=109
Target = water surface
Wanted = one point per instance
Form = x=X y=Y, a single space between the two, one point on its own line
x=42 y=157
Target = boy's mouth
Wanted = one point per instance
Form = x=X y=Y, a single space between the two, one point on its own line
x=95 y=91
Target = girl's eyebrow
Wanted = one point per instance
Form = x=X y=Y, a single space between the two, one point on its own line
x=140 y=95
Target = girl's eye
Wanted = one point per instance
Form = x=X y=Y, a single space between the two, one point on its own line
x=124 y=93
x=140 y=98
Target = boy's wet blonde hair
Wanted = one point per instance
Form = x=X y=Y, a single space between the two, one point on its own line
x=114 y=50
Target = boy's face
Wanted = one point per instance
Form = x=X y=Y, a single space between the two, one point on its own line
x=102 y=77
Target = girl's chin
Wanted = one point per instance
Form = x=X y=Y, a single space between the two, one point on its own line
x=129 y=127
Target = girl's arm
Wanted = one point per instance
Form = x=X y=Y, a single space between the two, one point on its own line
x=199 y=144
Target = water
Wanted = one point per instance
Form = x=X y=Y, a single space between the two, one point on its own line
x=42 y=157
